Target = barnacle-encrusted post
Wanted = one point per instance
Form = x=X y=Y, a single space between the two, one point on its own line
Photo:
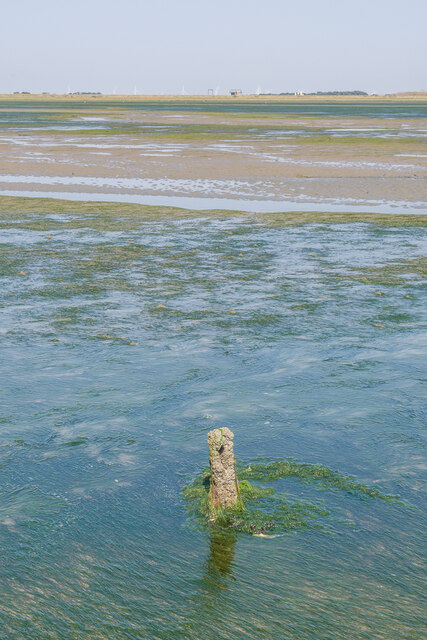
x=224 y=488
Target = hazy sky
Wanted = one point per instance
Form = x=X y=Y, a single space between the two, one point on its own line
x=161 y=46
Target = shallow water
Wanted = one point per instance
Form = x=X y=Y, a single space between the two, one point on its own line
x=386 y=109
x=307 y=341
x=65 y=116
x=293 y=203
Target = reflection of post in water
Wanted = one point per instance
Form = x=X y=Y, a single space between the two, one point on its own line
x=219 y=564
x=217 y=572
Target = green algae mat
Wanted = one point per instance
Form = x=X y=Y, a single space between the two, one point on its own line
x=261 y=510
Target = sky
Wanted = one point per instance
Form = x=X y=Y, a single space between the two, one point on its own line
x=191 y=46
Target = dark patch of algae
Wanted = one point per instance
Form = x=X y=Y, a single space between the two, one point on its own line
x=262 y=511
x=398 y=272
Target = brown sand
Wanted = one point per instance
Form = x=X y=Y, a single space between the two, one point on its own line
x=230 y=155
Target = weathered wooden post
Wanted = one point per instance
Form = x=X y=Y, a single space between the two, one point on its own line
x=224 y=488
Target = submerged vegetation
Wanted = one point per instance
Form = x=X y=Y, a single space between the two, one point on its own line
x=83 y=256
x=262 y=510
x=397 y=272
x=269 y=472
x=259 y=511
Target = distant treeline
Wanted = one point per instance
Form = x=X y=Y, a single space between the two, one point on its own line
x=73 y=93
x=318 y=93
x=339 y=93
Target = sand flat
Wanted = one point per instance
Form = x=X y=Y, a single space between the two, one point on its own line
x=208 y=153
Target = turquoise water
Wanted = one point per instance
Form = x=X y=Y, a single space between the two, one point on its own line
x=307 y=341
x=358 y=108
x=66 y=116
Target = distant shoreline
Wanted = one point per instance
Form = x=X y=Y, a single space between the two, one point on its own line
x=419 y=96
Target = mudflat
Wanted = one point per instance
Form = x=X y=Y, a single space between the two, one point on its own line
x=366 y=151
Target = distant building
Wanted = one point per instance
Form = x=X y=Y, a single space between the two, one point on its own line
x=236 y=92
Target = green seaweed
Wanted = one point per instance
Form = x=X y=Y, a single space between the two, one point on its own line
x=262 y=510
x=271 y=471
x=404 y=272
x=259 y=510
